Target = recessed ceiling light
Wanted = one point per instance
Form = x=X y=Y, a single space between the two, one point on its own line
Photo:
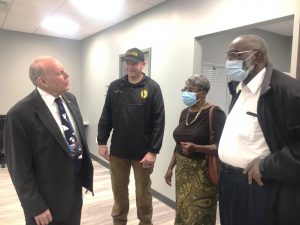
x=60 y=25
x=99 y=9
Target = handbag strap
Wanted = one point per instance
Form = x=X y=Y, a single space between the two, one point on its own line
x=211 y=132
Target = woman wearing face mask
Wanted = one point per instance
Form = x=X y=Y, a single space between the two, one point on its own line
x=196 y=196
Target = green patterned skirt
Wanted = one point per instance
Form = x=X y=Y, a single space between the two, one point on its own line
x=196 y=196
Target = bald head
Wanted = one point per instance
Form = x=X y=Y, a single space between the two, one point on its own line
x=250 y=42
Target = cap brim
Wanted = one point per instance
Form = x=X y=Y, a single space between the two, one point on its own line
x=132 y=59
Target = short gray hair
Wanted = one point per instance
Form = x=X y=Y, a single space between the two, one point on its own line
x=34 y=72
x=199 y=81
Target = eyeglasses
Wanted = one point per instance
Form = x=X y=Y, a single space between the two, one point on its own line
x=189 y=90
x=237 y=55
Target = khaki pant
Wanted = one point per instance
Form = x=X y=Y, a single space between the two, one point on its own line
x=120 y=171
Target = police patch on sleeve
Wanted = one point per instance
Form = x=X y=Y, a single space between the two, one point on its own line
x=144 y=94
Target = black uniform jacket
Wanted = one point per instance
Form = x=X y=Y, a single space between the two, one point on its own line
x=278 y=112
x=37 y=157
x=136 y=114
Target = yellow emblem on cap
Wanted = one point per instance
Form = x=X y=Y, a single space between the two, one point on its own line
x=144 y=94
x=132 y=53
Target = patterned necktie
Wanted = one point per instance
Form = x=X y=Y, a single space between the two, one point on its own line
x=73 y=143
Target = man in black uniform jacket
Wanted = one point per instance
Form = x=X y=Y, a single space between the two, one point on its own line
x=134 y=109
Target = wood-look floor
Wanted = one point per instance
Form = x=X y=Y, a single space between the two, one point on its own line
x=96 y=209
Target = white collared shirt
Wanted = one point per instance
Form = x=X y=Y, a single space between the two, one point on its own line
x=52 y=106
x=242 y=139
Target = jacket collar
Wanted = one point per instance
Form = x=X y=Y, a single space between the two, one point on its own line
x=125 y=81
x=266 y=83
x=265 y=86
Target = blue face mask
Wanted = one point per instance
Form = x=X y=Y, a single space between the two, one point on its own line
x=189 y=98
x=235 y=71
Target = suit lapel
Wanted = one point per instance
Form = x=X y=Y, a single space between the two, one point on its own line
x=48 y=120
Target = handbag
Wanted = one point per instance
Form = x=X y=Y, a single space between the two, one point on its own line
x=213 y=159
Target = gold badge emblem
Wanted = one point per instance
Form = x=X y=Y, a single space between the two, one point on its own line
x=144 y=94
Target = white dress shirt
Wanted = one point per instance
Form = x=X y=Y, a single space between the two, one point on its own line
x=52 y=106
x=242 y=139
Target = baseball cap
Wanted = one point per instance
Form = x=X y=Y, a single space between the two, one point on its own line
x=135 y=55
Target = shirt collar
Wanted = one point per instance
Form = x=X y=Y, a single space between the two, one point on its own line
x=48 y=98
x=254 y=84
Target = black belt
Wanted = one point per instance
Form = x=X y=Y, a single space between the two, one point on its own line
x=231 y=169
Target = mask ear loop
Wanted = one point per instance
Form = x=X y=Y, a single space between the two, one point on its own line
x=248 y=58
x=200 y=99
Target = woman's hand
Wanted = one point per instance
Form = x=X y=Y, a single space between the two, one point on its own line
x=187 y=148
x=168 y=177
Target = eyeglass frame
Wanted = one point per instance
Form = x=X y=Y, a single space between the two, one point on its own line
x=237 y=54
x=189 y=90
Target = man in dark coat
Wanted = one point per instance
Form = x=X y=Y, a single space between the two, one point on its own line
x=260 y=144
x=40 y=161
x=134 y=110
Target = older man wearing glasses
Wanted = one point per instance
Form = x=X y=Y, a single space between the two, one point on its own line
x=260 y=144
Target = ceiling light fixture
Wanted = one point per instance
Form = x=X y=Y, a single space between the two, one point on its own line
x=60 y=25
x=99 y=9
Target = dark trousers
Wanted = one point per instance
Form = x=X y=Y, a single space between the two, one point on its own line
x=241 y=203
x=120 y=174
x=75 y=215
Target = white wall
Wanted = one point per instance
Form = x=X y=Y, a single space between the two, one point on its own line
x=17 y=51
x=169 y=30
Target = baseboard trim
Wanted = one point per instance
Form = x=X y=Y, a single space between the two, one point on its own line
x=156 y=194
x=164 y=199
x=99 y=160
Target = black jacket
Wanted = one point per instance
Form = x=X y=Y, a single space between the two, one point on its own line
x=278 y=112
x=135 y=112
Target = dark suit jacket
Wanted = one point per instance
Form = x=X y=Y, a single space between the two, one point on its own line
x=37 y=159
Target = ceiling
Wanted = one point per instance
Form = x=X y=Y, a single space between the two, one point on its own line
x=27 y=16
x=284 y=28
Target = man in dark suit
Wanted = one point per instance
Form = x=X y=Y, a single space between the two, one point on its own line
x=48 y=176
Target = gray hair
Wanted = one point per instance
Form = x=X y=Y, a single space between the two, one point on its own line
x=199 y=81
x=36 y=68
